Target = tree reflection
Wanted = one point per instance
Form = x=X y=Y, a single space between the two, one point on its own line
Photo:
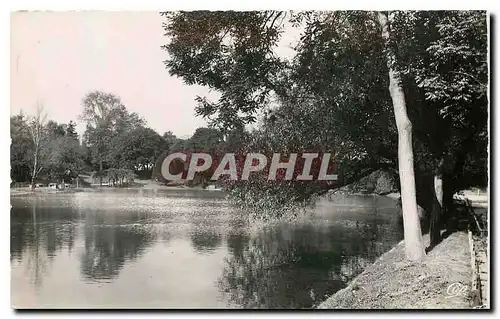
x=38 y=234
x=298 y=266
x=204 y=241
x=109 y=244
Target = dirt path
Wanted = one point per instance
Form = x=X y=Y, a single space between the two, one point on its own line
x=442 y=280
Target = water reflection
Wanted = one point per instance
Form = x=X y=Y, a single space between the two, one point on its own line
x=37 y=235
x=93 y=249
x=205 y=241
x=109 y=245
x=298 y=266
x=34 y=227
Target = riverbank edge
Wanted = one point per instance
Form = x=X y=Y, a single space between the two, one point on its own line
x=477 y=201
x=392 y=282
x=27 y=191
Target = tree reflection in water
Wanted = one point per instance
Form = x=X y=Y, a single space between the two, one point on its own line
x=298 y=266
x=111 y=241
x=205 y=241
x=38 y=233
x=287 y=266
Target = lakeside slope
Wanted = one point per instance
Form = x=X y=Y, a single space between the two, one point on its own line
x=392 y=282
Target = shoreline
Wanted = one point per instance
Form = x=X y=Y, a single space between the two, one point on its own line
x=27 y=191
x=477 y=201
x=392 y=282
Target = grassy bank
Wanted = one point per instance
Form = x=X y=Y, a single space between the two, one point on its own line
x=393 y=282
x=19 y=191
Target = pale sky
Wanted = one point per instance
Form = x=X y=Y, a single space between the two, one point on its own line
x=57 y=57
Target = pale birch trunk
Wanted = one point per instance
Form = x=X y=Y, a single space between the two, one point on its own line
x=414 y=245
x=35 y=167
x=38 y=135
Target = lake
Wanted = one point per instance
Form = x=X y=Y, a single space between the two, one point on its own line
x=138 y=248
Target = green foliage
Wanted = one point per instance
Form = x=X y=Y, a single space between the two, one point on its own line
x=204 y=139
x=446 y=72
x=235 y=139
x=60 y=157
x=65 y=158
x=137 y=149
x=229 y=52
x=117 y=138
x=114 y=139
x=333 y=95
x=55 y=130
x=170 y=138
x=106 y=118
x=20 y=149
x=207 y=140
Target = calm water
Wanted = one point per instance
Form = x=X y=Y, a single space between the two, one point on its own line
x=154 y=248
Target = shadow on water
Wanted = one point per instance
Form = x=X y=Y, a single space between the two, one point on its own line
x=299 y=266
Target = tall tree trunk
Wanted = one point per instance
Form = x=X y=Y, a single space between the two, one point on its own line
x=36 y=169
x=37 y=134
x=437 y=205
x=100 y=173
x=414 y=245
x=33 y=175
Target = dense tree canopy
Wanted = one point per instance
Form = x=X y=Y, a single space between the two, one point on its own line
x=333 y=94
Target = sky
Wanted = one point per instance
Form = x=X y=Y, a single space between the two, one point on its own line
x=58 y=57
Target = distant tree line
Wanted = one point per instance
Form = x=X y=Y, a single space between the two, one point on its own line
x=117 y=145
x=44 y=149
